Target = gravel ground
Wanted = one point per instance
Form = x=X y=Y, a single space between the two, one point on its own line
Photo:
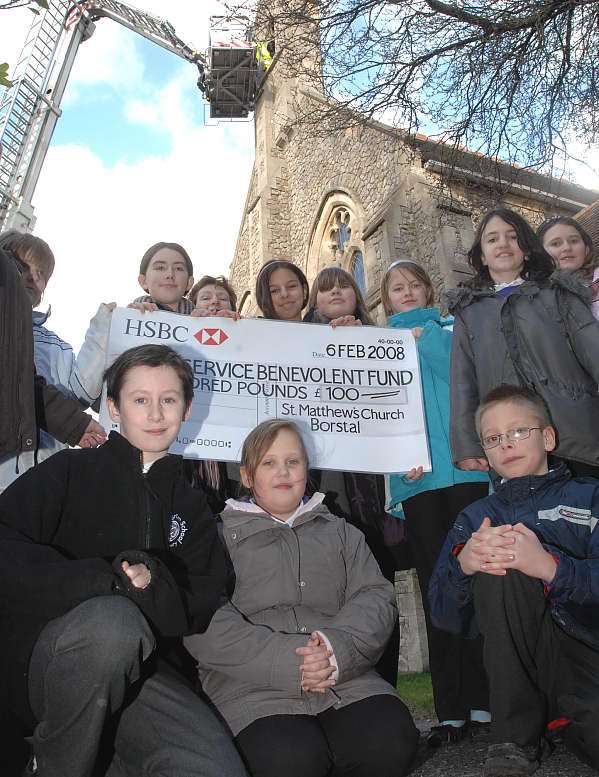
x=466 y=758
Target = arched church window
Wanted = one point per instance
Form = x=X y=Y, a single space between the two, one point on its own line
x=357 y=270
x=336 y=236
x=341 y=230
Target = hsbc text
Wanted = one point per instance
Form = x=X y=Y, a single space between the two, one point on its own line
x=158 y=329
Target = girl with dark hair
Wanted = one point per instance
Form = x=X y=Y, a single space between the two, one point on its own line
x=532 y=262
x=517 y=323
x=281 y=290
x=571 y=247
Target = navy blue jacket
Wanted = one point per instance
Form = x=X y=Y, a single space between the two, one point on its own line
x=563 y=512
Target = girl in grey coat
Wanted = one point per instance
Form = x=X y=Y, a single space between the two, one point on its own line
x=518 y=323
x=289 y=660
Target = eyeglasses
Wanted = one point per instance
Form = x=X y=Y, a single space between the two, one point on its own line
x=512 y=435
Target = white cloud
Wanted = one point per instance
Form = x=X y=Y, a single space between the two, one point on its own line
x=170 y=109
x=582 y=164
x=100 y=220
x=110 y=58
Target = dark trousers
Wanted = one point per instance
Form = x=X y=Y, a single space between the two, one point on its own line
x=87 y=675
x=457 y=673
x=375 y=737
x=536 y=671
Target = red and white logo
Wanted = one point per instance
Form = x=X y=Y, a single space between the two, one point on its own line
x=211 y=336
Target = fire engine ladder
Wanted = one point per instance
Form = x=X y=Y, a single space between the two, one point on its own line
x=23 y=103
x=30 y=108
x=157 y=30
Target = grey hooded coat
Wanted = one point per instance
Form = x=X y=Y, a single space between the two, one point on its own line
x=543 y=336
x=290 y=581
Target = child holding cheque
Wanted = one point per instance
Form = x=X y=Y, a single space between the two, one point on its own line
x=521 y=567
x=166 y=275
x=281 y=290
x=432 y=500
x=289 y=661
x=107 y=557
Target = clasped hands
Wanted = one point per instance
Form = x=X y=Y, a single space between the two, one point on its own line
x=316 y=670
x=495 y=549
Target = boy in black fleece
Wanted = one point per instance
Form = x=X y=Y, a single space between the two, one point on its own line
x=107 y=557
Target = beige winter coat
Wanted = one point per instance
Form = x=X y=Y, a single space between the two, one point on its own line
x=317 y=574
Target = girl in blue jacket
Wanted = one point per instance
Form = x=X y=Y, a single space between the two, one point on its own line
x=432 y=500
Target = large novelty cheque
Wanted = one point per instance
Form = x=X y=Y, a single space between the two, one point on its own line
x=354 y=392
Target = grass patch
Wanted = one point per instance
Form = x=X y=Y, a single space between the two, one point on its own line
x=417 y=692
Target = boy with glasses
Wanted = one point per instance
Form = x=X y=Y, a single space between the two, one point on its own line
x=522 y=567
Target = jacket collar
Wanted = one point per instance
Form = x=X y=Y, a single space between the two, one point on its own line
x=417 y=317
x=456 y=299
x=247 y=518
x=39 y=317
x=129 y=455
x=518 y=489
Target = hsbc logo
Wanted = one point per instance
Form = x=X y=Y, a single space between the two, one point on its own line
x=212 y=336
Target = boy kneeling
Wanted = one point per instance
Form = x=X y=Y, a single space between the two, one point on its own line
x=522 y=567
x=105 y=555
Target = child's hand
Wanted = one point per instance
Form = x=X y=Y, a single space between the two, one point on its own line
x=416 y=473
x=144 y=307
x=488 y=549
x=416 y=332
x=473 y=464
x=529 y=556
x=345 y=321
x=139 y=574
x=93 y=435
x=316 y=668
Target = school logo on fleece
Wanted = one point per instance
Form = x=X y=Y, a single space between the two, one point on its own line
x=178 y=531
x=579 y=515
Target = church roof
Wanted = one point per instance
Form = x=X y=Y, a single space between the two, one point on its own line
x=464 y=163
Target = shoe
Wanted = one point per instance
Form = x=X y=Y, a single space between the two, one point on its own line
x=31 y=768
x=445 y=735
x=509 y=760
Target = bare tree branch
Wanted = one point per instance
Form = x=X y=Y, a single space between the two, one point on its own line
x=509 y=78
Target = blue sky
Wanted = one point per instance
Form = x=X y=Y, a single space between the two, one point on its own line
x=132 y=163
x=130 y=143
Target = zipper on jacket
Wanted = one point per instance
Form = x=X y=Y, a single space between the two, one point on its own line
x=147 y=528
x=148 y=520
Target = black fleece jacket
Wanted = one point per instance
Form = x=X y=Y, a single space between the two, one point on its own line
x=65 y=528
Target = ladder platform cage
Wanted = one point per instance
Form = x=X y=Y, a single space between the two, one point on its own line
x=233 y=70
